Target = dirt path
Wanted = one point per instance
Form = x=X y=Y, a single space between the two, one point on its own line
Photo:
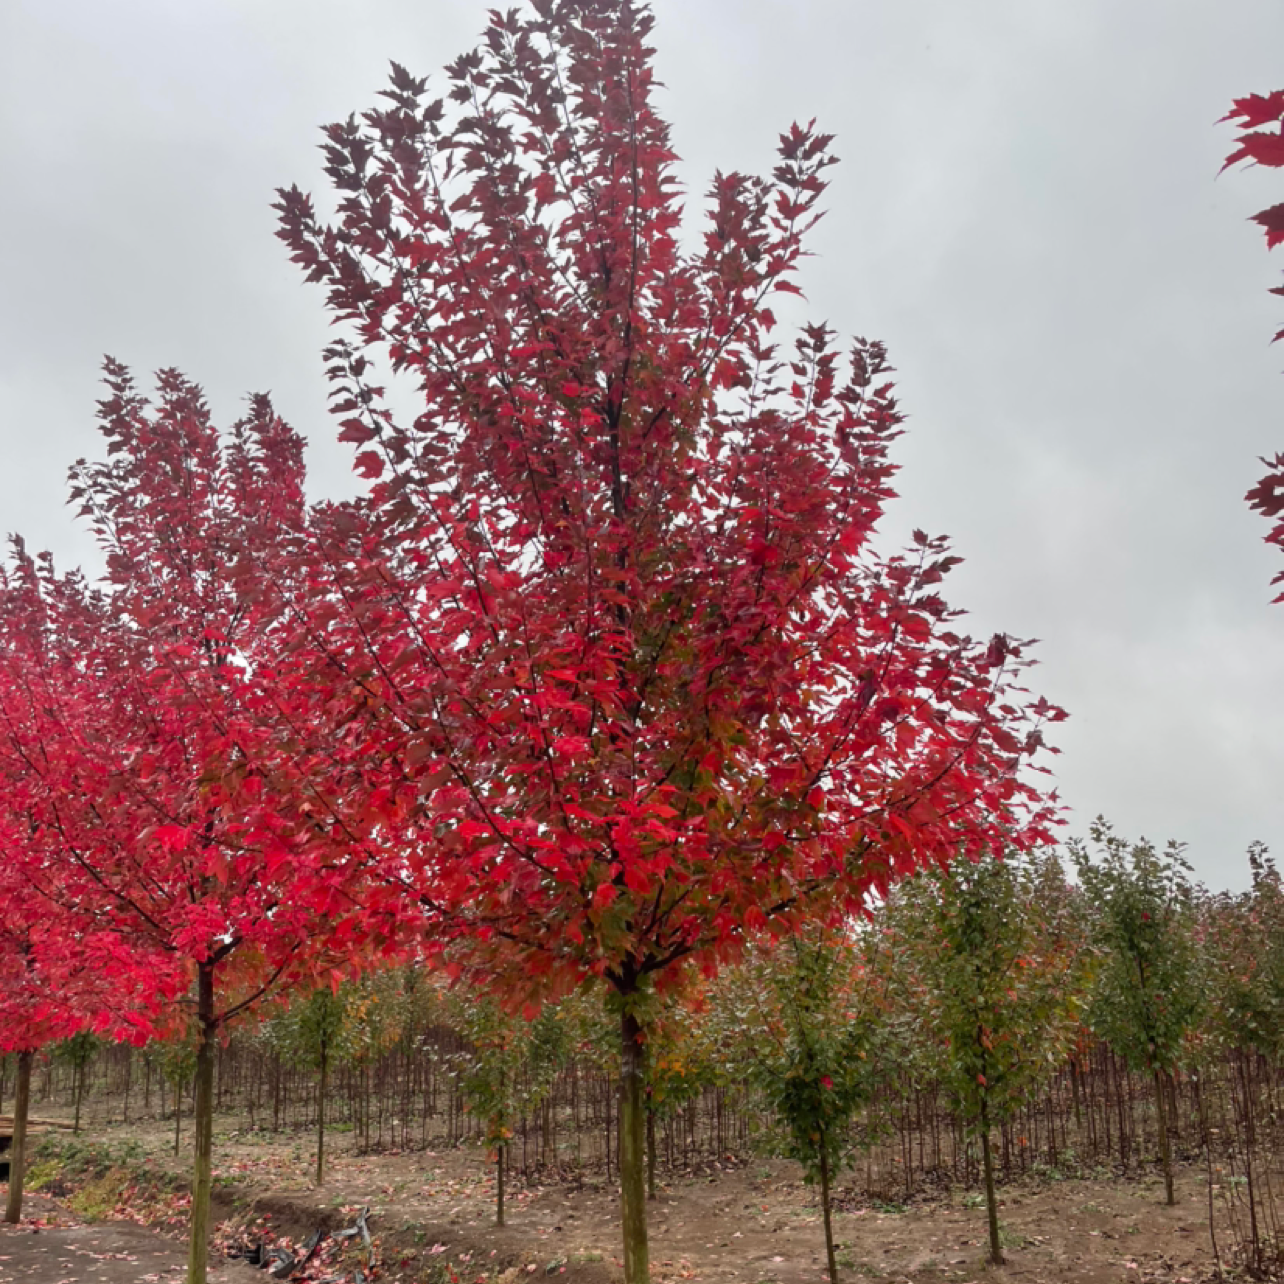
x=52 y=1247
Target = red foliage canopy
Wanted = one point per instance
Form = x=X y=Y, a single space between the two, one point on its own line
x=133 y=714
x=612 y=654
x=61 y=968
x=60 y=974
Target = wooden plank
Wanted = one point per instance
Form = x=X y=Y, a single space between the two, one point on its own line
x=6 y=1124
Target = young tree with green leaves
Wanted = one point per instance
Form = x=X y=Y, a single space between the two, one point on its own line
x=1149 y=992
x=999 y=950
x=811 y=1061
x=177 y=1058
x=489 y=1074
x=313 y=1031
x=1243 y=938
x=693 y=1044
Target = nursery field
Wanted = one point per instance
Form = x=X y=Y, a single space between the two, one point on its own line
x=432 y=1219
x=590 y=851
x=907 y=1101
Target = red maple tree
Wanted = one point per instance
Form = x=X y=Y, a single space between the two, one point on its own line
x=137 y=724
x=1260 y=117
x=59 y=974
x=61 y=971
x=613 y=656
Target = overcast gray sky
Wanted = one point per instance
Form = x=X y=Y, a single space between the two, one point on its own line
x=1027 y=213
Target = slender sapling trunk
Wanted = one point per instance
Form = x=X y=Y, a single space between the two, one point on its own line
x=80 y=1094
x=322 y=1092
x=991 y=1196
x=830 y=1258
x=1165 y=1149
x=499 y=1183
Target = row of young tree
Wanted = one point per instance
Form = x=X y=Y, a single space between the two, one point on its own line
x=983 y=1022
x=603 y=683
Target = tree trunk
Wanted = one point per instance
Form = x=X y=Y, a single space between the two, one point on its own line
x=831 y=1260
x=276 y=1094
x=80 y=1095
x=178 y=1112
x=606 y=1136
x=322 y=1090
x=18 y=1150
x=650 y=1153
x=1165 y=1150
x=631 y=1157
x=1206 y=1143
x=991 y=1198
x=499 y=1183
x=365 y=1109
x=203 y=1127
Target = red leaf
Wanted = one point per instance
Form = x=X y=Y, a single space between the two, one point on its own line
x=172 y=837
x=1257 y=109
x=1273 y=221
x=369 y=464
x=1260 y=148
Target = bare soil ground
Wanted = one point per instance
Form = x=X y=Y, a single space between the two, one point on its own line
x=432 y=1216
x=51 y=1246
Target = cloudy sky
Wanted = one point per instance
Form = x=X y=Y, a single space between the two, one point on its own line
x=1027 y=213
